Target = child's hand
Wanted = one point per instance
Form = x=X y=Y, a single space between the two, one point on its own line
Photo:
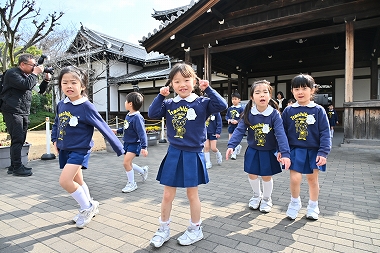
x=203 y=84
x=164 y=91
x=229 y=152
x=144 y=152
x=114 y=131
x=234 y=121
x=55 y=148
x=217 y=136
x=286 y=162
x=320 y=160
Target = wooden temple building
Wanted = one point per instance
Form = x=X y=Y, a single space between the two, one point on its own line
x=336 y=41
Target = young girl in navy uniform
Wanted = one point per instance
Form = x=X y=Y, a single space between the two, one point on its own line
x=72 y=134
x=184 y=164
x=214 y=129
x=265 y=134
x=307 y=128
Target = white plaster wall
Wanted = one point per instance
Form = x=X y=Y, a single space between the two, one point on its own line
x=361 y=89
x=100 y=95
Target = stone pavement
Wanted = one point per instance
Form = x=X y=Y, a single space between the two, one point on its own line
x=35 y=212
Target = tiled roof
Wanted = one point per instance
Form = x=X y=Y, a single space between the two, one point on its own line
x=172 y=18
x=116 y=46
x=148 y=73
x=167 y=14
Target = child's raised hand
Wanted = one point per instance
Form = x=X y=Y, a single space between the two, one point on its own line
x=164 y=91
x=229 y=152
x=320 y=160
x=144 y=152
x=203 y=84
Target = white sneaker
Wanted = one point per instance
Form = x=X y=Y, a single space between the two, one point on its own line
x=293 y=209
x=208 y=165
x=233 y=156
x=129 y=187
x=219 y=158
x=160 y=237
x=145 y=174
x=86 y=215
x=266 y=205
x=254 y=202
x=238 y=149
x=190 y=236
x=312 y=212
x=75 y=218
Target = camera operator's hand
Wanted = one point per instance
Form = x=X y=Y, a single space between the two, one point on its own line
x=38 y=69
x=47 y=77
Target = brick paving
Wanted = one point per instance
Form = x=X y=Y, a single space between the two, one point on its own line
x=35 y=212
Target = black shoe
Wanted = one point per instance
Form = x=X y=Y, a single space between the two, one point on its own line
x=10 y=169
x=22 y=172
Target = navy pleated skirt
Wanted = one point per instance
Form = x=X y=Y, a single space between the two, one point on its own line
x=182 y=169
x=261 y=163
x=304 y=160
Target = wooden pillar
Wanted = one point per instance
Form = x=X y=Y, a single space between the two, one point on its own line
x=200 y=67
x=229 y=91
x=187 y=57
x=207 y=64
x=374 y=79
x=349 y=78
x=240 y=81
x=245 y=89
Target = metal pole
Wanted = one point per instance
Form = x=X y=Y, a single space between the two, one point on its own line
x=47 y=156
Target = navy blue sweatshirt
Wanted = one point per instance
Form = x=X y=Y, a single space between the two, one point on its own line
x=265 y=132
x=134 y=129
x=74 y=127
x=307 y=127
x=186 y=118
x=214 y=124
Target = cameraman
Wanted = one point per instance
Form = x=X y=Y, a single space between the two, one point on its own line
x=16 y=101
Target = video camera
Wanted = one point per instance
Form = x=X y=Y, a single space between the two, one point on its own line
x=41 y=60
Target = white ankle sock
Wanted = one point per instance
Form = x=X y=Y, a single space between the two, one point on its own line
x=86 y=190
x=131 y=176
x=267 y=189
x=137 y=168
x=80 y=196
x=207 y=157
x=255 y=184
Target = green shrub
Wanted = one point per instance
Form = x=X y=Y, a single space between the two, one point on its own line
x=39 y=118
x=3 y=128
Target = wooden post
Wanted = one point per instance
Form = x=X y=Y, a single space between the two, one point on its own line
x=207 y=66
x=349 y=77
x=187 y=57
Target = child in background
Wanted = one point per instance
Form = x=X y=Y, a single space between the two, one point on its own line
x=291 y=101
x=135 y=140
x=265 y=134
x=233 y=116
x=307 y=128
x=333 y=119
x=72 y=134
x=184 y=164
x=214 y=128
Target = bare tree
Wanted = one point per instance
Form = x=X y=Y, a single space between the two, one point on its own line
x=11 y=22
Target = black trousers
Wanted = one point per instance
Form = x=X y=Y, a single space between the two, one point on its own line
x=17 y=126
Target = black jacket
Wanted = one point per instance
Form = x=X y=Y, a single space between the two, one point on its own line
x=17 y=91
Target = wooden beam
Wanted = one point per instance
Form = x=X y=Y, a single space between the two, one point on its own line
x=287 y=37
x=285 y=21
x=177 y=25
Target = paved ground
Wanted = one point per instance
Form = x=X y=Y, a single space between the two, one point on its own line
x=35 y=212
